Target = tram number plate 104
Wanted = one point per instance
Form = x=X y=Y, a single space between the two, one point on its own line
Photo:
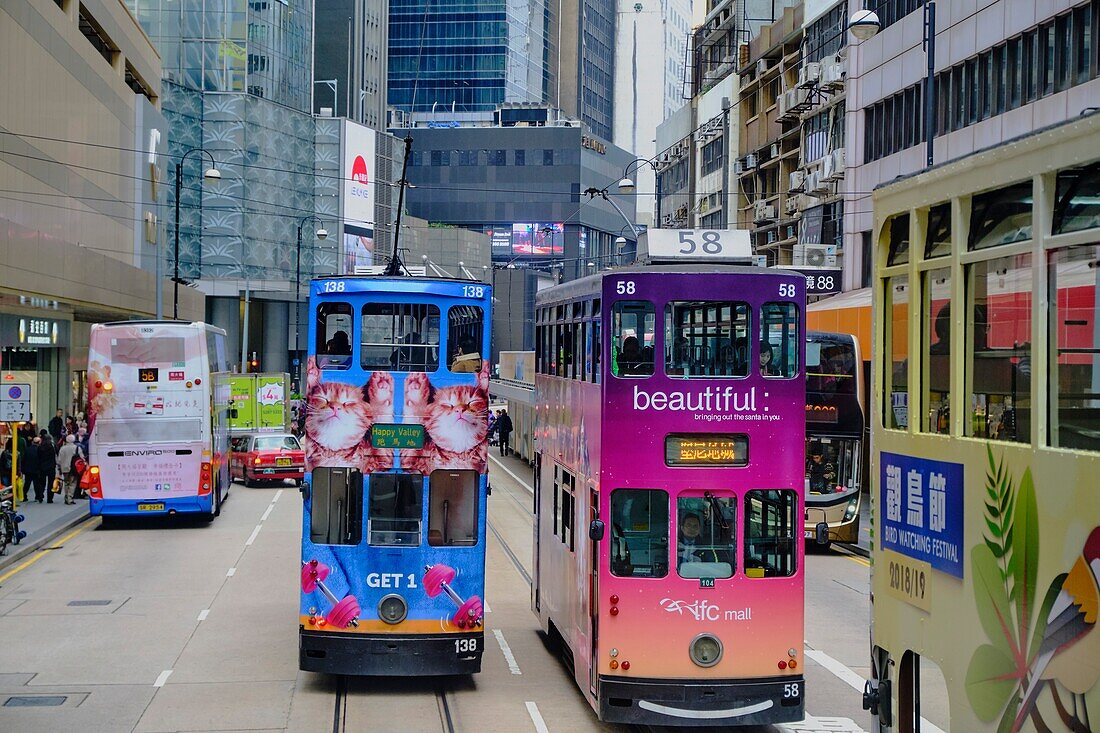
x=909 y=580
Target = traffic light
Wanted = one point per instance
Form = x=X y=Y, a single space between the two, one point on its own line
x=254 y=364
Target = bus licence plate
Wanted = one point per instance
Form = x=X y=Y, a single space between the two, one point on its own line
x=150 y=507
x=282 y=461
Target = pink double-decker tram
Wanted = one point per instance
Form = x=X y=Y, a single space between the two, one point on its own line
x=669 y=491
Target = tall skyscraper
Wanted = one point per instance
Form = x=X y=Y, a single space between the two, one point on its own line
x=586 y=84
x=263 y=47
x=350 y=60
x=469 y=57
x=650 y=63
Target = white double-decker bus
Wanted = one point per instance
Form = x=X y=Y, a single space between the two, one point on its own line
x=158 y=425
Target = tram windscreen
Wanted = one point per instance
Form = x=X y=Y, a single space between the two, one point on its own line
x=639 y=533
x=830 y=367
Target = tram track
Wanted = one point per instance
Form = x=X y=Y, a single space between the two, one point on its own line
x=352 y=713
x=509 y=553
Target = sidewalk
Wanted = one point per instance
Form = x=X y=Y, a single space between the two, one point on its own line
x=42 y=523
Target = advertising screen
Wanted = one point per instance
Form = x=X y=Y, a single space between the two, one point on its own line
x=358 y=174
x=358 y=248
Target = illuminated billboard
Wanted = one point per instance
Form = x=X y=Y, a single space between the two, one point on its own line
x=527 y=239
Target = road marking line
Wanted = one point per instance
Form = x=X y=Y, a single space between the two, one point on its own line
x=41 y=554
x=513 y=666
x=252 y=537
x=163 y=678
x=506 y=470
x=277 y=495
x=536 y=717
x=485 y=605
x=855 y=681
x=203 y=614
x=231 y=572
x=268 y=512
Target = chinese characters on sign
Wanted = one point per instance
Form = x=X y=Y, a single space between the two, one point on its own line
x=923 y=505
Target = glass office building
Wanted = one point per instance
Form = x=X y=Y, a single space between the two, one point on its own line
x=470 y=56
x=263 y=47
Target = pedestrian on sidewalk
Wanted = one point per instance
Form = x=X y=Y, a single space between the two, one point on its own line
x=504 y=429
x=6 y=461
x=67 y=466
x=34 y=474
x=57 y=425
x=47 y=458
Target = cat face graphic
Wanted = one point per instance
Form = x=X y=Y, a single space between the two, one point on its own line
x=338 y=415
x=457 y=418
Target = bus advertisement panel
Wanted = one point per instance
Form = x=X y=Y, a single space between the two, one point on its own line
x=154 y=445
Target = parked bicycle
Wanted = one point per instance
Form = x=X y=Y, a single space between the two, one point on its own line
x=10 y=534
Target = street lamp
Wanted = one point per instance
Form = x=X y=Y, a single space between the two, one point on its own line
x=212 y=174
x=321 y=233
x=865 y=24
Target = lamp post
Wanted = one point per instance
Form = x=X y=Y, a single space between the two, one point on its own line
x=321 y=233
x=865 y=24
x=212 y=174
x=626 y=183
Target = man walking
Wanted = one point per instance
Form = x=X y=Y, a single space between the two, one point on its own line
x=504 y=429
x=66 y=460
x=47 y=461
x=33 y=475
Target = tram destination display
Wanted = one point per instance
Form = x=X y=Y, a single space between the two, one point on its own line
x=706 y=449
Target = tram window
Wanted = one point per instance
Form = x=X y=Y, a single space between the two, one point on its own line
x=779 y=340
x=936 y=367
x=333 y=330
x=706 y=339
x=898 y=227
x=452 y=508
x=938 y=239
x=1077 y=203
x=633 y=336
x=336 y=506
x=895 y=383
x=639 y=533
x=588 y=328
x=1000 y=217
x=400 y=337
x=1000 y=316
x=464 y=334
x=395 y=509
x=597 y=351
x=1075 y=383
x=771 y=533
x=705 y=546
x=568 y=509
x=830 y=367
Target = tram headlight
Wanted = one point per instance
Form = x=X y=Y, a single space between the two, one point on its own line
x=705 y=650
x=392 y=609
x=853 y=507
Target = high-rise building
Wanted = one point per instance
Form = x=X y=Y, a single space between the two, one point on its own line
x=586 y=63
x=350 y=60
x=650 y=64
x=263 y=47
x=462 y=60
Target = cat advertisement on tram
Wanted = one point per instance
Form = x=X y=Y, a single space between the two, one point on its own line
x=396 y=443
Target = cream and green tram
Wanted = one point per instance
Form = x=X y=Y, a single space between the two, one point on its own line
x=986 y=437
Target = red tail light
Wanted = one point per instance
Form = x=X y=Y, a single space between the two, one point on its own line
x=90 y=482
x=206 y=479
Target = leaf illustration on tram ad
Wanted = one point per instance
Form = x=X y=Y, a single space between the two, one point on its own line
x=339 y=416
x=1029 y=645
x=455 y=419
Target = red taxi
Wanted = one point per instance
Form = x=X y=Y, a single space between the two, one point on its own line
x=266 y=457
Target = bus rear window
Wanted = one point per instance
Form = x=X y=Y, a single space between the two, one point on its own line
x=400 y=337
x=139 y=352
x=771 y=533
x=639 y=533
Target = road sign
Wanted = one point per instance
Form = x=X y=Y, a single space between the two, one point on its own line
x=15 y=402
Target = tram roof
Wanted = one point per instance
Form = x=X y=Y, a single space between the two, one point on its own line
x=591 y=283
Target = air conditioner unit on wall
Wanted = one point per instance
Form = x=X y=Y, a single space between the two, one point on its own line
x=828 y=169
x=797 y=182
x=840 y=162
x=763 y=212
x=814 y=255
x=750 y=161
x=834 y=73
x=761 y=66
x=790 y=206
x=800 y=100
x=809 y=74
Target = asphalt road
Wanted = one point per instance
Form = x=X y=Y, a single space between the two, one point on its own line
x=183 y=626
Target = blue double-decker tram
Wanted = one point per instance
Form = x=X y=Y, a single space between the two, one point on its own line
x=396 y=440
